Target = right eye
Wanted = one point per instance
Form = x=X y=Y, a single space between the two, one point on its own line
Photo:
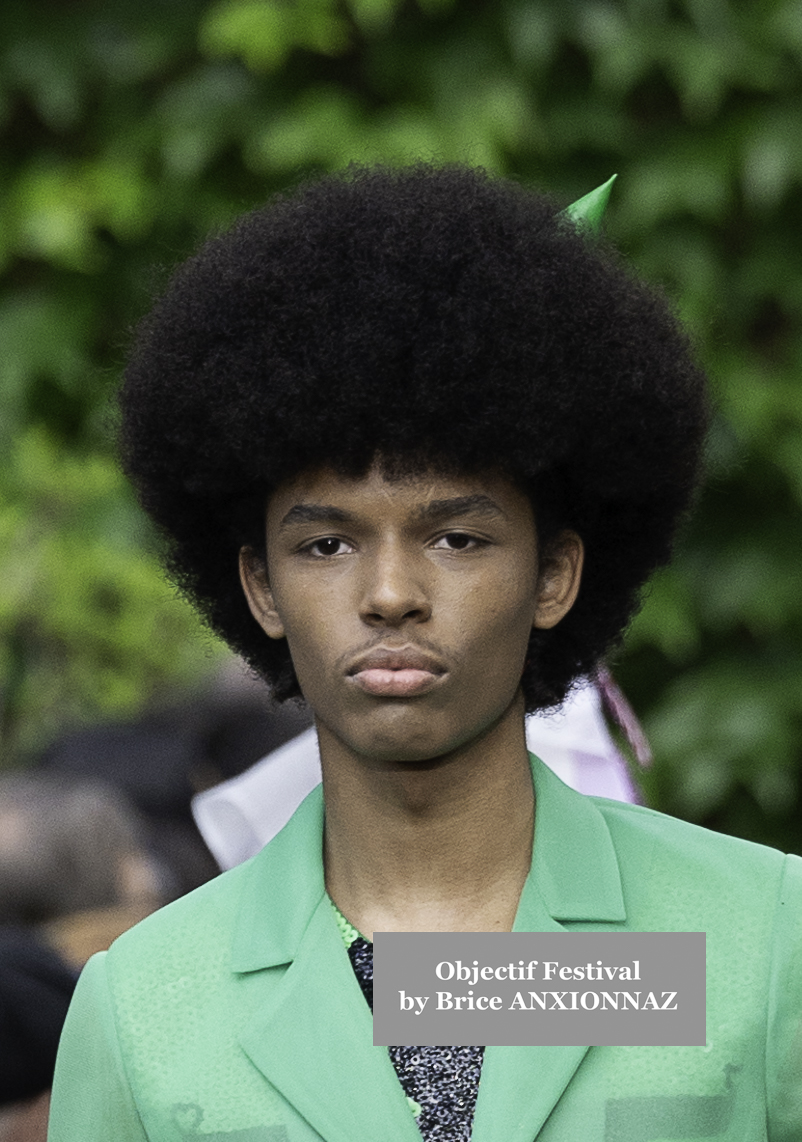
x=327 y=546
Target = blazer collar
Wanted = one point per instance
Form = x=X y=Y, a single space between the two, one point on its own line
x=574 y=876
x=283 y=885
x=574 y=864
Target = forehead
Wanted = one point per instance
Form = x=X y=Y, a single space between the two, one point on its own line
x=320 y=494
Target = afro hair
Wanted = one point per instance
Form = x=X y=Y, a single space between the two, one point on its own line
x=430 y=318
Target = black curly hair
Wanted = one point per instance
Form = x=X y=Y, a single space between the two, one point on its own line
x=430 y=318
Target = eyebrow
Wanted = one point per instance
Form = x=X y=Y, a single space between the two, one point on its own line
x=477 y=504
x=316 y=513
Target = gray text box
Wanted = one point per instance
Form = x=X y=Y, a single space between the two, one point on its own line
x=550 y=988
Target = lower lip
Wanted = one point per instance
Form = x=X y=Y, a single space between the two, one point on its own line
x=395 y=683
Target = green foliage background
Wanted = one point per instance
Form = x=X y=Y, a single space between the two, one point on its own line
x=131 y=130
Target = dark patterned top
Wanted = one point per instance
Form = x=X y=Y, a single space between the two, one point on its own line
x=441 y=1083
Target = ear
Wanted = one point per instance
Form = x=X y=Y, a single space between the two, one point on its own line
x=253 y=576
x=560 y=576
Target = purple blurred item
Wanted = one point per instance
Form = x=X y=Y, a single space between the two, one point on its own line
x=575 y=743
x=238 y=817
x=616 y=706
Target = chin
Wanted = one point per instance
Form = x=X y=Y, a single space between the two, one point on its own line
x=403 y=752
x=404 y=747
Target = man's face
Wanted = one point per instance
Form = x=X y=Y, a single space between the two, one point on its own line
x=407 y=604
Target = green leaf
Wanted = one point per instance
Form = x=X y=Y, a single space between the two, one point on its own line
x=264 y=32
x=374 y=17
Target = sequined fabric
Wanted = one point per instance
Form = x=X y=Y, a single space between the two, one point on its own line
x=441 y=1083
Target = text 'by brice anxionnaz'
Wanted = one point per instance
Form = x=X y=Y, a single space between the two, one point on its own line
x=617 y=988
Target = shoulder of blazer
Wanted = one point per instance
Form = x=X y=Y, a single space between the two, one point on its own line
x=259 y=909
x=688 y=843
x=679 y=874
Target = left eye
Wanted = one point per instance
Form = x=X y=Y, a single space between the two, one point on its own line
x=456 y=541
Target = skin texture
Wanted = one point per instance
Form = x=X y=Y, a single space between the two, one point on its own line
x=407 y=606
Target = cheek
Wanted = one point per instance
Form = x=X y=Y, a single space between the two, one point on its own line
x=314 y=623
x=509 y=603
x=307 y=636
x=497 y=624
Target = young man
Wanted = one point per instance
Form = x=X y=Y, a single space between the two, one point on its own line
x=416 y=444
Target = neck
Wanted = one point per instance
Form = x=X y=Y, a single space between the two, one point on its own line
x=443 y=845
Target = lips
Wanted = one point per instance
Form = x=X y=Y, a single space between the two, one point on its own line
x=402 y=673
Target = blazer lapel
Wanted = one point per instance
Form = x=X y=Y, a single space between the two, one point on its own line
x=313 y=1040
x=574 y=883
x=311 y=1032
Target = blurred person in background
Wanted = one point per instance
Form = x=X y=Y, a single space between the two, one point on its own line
x=36 y=985
x=73 y=861
x=160 y=760
x=74 y=875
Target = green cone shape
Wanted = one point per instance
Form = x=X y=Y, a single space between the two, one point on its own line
x=588 y=211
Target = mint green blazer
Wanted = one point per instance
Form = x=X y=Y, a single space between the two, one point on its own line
x=233 y=1015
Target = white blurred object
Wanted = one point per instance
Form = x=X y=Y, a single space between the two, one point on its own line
x=575 y=743
x=238 y=817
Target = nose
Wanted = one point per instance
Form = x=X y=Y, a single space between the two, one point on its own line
x=395 y=590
